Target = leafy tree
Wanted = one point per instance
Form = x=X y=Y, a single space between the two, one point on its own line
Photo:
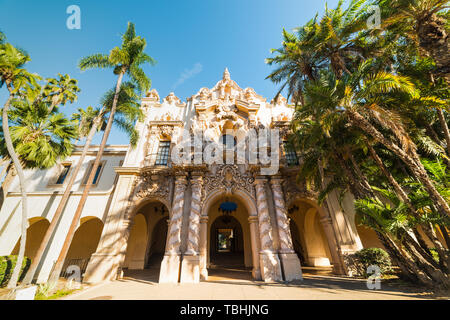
x=370 y=119
x=16 y=79
x=33 y=134
x=60 y=91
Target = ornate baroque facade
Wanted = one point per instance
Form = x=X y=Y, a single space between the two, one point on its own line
x=189 y=193
x=186 y=219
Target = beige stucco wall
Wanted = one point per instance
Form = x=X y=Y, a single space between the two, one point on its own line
x=44 y=198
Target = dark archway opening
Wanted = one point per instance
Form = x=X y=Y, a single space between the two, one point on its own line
x=298 y=248
x=227 y=243
x=147 y=242
x=157 y=245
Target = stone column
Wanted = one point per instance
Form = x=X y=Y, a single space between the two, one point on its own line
x=254 y=236
x=269 y=261
x=170 y=265
x=190 y=266
x=337 y=262
x=289 y=259
x=203 y=247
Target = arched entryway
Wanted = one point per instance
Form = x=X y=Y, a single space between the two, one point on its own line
x=229 y=243
x=308 y=235
x=147 y=241
x=35 y=233
x=83 y=245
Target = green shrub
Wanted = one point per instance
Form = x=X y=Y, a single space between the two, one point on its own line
x=7 y=264
x=362 y=259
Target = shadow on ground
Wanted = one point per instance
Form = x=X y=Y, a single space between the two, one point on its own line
x=314 y=278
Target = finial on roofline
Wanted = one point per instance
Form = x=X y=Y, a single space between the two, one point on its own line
x=226 y=74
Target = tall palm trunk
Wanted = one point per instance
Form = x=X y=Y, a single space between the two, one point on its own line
x=418 y=258
x=398 y=189
x=62 y=203
x=444 y=129
x=9 y=145
x=62 y=256
x=434 y=41
x=415 y=166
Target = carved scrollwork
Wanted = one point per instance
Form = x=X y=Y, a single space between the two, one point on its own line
x=151 y=185
x=153 y=95
x=166 y=130
x=228 y=178
x=292 y=190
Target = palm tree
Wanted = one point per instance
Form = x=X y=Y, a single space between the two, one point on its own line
x=86 y=119
x=91 y=121
x=40 y=137
x=297 y=64
x=18 y=81
x=362 y=93
x=331 y=156
x=423 y=22
x=60 y=91
x=124 y=60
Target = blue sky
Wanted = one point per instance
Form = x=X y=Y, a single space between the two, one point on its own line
x=192 y=41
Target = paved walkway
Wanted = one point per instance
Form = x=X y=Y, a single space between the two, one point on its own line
x=143 y=286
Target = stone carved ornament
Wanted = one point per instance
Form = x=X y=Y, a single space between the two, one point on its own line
x=228 y=178
x=280 y=100
x=147 y=185
x=153 y=95
x=150 y=185
x=226 y=112
x=171 y=98
x=292 y=191
x=166 y=130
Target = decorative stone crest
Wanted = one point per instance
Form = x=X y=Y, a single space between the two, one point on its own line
x=166 y=130
x=292 y=191
x=152 y=185
x=153 y=95
x=279 y=100
x=226 y=112
x=228 y=178
x=173 y=99
x=204 y=94
x=250 y=95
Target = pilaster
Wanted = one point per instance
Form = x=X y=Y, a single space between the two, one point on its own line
x=269 y=261
x=289 y=259
x=170 y=265
x=190 y=266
